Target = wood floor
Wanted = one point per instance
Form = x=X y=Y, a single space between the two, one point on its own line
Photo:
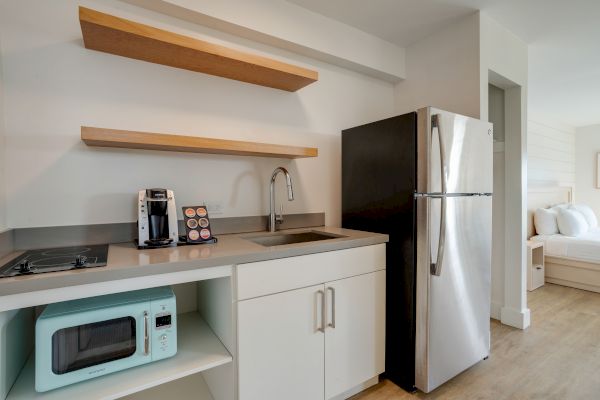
x=556 y=358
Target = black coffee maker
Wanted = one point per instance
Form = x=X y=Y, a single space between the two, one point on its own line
x=157 y=219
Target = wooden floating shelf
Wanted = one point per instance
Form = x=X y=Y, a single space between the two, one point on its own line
x=114 y=35
x=190 y=144
x=198 y=349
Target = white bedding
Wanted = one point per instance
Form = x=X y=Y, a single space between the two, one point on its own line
x=585 y=247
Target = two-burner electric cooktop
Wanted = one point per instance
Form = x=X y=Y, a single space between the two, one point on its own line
x=56 y=259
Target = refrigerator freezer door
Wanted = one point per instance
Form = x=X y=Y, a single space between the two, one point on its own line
x=453 y=309
x=455 y=150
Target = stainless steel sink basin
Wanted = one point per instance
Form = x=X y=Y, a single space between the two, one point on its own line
x=278 y=239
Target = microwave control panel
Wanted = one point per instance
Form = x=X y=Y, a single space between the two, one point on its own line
x=163 y=329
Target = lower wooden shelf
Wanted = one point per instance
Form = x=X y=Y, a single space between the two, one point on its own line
x=190 y=387
x=191 y=144
x=198 y=349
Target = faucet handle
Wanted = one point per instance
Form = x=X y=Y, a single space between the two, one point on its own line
x=279 y=218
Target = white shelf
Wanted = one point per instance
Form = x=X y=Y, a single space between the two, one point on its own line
x=191 y=387
x=198 y=349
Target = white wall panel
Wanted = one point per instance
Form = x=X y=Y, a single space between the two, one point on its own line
x=587 y=148
x=551 y=154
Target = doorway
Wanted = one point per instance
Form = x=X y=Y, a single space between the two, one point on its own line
x=505 y=111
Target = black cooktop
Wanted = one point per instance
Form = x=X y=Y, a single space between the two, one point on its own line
x=56 y=259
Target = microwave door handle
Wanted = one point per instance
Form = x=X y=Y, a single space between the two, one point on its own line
x=146 y=335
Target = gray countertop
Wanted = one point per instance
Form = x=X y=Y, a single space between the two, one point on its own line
x=126 y=261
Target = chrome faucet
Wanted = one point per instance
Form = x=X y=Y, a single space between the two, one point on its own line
x=274 y=220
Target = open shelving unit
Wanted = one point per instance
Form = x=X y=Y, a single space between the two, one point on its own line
x=199 y=349
x=192 y=144
x=114 y=35
x=191 y=387
x=536 y=269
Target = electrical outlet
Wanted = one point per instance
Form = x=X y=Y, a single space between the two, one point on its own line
x=214 y=207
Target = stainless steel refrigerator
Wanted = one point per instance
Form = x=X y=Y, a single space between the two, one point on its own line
x=426 y=178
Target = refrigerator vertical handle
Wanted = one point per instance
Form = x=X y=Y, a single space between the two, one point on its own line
x=436 y=124
x=436 y=268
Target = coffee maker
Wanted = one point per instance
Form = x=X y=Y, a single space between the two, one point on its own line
x=157 y=219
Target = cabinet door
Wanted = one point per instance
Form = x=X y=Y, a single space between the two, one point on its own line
x=281 y=346
x=355 y=336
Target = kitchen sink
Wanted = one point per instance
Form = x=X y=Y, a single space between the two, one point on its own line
x=278 y=239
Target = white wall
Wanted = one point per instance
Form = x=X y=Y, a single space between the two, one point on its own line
x=496 y=112
x=443 y=71
x=53 y=86
x=551 y=151
x=504 y=63
x=282 y=24
x=587 y=147
x=503 y=55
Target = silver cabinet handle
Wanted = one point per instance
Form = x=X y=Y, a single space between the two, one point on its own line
x=146 y=335
x=332 y=323
x=321 y=327
x=436 y=268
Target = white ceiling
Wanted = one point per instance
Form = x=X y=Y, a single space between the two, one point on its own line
x=563 y=38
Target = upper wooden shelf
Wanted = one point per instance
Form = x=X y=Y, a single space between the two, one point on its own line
x=191 y=144
x=110 y=34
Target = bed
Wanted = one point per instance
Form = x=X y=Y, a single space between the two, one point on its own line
x=569 y=261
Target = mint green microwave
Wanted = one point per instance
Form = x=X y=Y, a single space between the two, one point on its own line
x=86 y=338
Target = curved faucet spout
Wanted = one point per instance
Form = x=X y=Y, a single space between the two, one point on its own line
x=273 y=220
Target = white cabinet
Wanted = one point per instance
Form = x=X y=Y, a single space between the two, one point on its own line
x=316 y=339
x=355 y=336
x=280 y=346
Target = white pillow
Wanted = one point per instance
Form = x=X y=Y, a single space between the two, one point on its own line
x=545 y=221
x=571 y=222
x=557 y=207
x=588 y=213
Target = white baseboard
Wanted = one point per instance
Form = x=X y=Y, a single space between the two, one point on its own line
x=495 y=310
x=516 y=318
x=357 y=389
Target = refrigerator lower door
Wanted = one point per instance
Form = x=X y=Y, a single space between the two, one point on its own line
x=453 y=308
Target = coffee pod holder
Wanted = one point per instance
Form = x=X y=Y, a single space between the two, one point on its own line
x=198 y=229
